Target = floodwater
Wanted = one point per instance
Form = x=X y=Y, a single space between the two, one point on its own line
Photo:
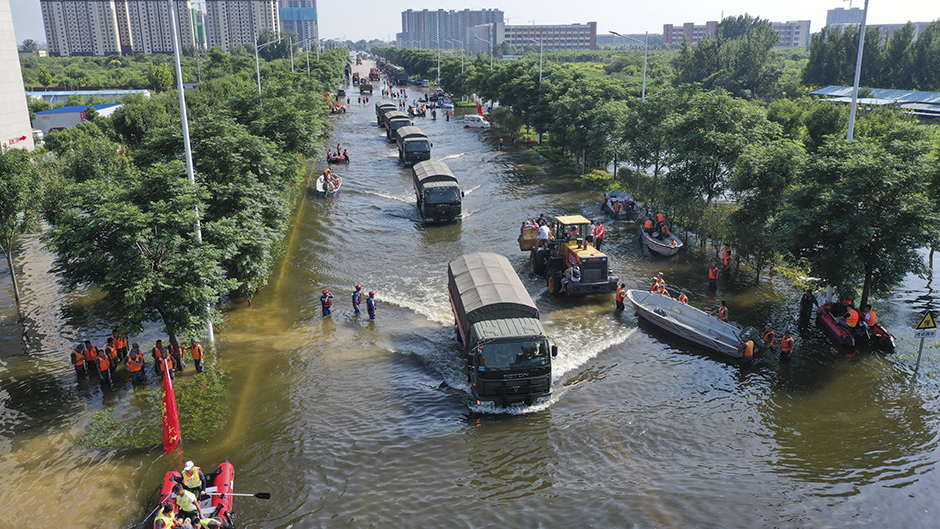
x=354 y=423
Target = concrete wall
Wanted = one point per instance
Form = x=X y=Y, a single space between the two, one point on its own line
x=15 y=129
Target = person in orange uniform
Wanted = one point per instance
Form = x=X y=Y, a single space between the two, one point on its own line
x=723 y=311
x=195 y=350
x=620 y=296
x=104 y=368
x=683 y=297
x=135 y=364
x=786 y=346
x=850 y=319
x=648 y=226
x=726 y=262
x=599 y=235
x=111 y=352
x=769 y=337
x=78 y=360
x=659 y=285
x=120 y=343
x=869 y=316
x=158 y=353
x=713 y=277
x=746 y=348
x=91 y=358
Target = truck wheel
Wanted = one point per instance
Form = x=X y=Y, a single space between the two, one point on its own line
x=554 y=284
x=537 y=261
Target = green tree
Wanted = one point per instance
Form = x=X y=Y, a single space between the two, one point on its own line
x=19 y=198
x=133 y=238
x=161 y=78
x=857 y=216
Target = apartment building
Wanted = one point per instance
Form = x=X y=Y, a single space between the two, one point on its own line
x=555 y=37
x=690 y=31
x=427 y=29
x=230 y=23
x=299 y=17
x=794 y=33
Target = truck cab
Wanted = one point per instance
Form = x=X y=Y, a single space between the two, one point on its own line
x=395 y=120
x=413 y=145
x=437 y=193
x=568 y=248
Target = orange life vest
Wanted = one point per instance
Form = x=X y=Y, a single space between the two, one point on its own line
x=648 y=224
x=103 y=363
x=135 y=362
x=726 y=253
x=111 y=352
x=77 y=358
x=851 y=317
x=786 y=344
x=91 y=353
x=660 y=217
x=769 y=337
x=871 y=317
x=621 y=294
x=599 y=231
x=196 y=351
x=157 y=352
x=713 y=273
x=748 y=349
x=664 y=230
x=723 y=313
x=727 y=262
x=683 y=298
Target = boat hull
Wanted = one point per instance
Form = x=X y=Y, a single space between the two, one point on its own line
x=686 y=322
x=666 y=248
x=878 y=336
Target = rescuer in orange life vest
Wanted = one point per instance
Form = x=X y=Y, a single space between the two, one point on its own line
x=723 y=311
x=713 y=277
x=786 y=346
x=157 y=352
x=620 y=296
x=769 y=336
x=196 y=351
x=850 y=319
x=683 y=297
x=78 y=360
x=746 y=348
x=91 y=358
x=136 y=364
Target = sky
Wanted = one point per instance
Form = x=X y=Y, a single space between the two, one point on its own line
x=375 y=19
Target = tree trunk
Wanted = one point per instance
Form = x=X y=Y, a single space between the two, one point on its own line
x=866 y=288
x=8 y=252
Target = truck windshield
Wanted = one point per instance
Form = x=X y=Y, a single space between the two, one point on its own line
x=442 y=196
x=515 y=355
x=418 y=146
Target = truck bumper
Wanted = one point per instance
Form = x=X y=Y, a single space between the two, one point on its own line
x=593 y=288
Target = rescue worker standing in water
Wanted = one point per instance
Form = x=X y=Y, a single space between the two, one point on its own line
x=713 y=277
x=326 y=302
x=746 y=348
x=620 y=296
x=370 y=305
x=357 y=299
x=786 y=346
x=78 y=360
x=196 y=351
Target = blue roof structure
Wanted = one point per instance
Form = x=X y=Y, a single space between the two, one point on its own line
x=103 y=93
x=893 y=95
x=76 y=108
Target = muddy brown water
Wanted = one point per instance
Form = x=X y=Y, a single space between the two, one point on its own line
x=352 y=423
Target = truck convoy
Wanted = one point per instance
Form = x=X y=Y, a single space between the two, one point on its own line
x=381 y=108
x=437 y=192
x=413 y=145
x=568 y=248
x=509 y=357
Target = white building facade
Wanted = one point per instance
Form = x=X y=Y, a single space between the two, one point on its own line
x=794 y=33
x=230 y=23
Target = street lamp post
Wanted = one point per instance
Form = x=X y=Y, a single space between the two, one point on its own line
x=258 y=63
x=646 y=47
x=858 y=71
x=539 y=42
x=491 y=49
x=461 y=51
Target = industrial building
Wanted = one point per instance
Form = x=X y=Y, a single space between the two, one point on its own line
x=67 y=117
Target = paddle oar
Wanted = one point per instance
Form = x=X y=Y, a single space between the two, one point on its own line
x=259 y=495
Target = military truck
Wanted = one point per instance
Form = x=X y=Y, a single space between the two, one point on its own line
x=437 y=192
x=393 y=121
x=381 y=108
x=569 y=247
x=365 y=88
x=413 y=145
x=509 y=357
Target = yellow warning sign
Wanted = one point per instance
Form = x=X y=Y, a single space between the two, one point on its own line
x=927 y=322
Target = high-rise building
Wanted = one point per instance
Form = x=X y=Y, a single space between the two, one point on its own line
x=15 y=129
x=234 y=22
x=442 y=29
x=689 y=31
x=840 y=15
x=794 y=33
x=113 y=27
x=299 y=17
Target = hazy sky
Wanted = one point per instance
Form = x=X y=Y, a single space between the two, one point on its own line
x=369 y=19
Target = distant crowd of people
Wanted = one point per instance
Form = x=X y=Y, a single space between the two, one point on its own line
x=90 y=361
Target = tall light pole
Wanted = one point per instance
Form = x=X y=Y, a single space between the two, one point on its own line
x=258 y=63
x=539 y=42
x=188 y=148
x=858 y=71
x=646 y=48
x=461 y=52
x=491 y=49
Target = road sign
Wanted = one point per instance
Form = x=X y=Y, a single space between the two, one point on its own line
x=927 y=322
x=932 y=333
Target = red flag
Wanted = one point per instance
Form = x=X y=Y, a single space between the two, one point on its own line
x=479 y=108
x=171 y=418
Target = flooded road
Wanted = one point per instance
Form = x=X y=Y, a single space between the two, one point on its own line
x=353 y=423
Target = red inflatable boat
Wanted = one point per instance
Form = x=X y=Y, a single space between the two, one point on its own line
x=221 y=485
x=877 y=335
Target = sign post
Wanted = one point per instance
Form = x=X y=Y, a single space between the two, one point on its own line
x=927 y=328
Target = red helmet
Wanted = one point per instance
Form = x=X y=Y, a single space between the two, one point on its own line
x=325 y=291
x=371 y=292
x=358 y=287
